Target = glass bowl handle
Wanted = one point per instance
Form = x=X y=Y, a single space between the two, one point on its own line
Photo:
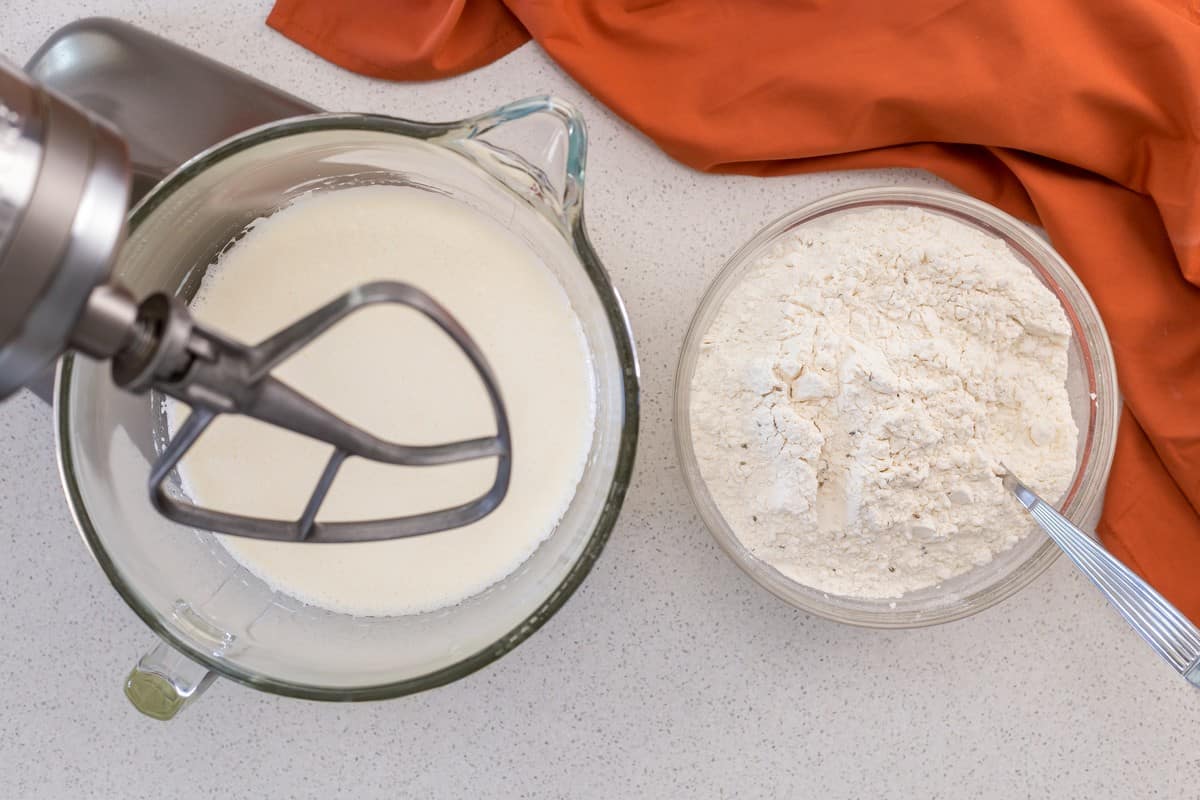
x=537 y=146
x=164 y=681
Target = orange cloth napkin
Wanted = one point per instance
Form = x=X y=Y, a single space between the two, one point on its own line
x=1078 y=115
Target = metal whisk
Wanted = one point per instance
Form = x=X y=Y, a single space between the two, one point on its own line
x=215 y=375
x=64 y=187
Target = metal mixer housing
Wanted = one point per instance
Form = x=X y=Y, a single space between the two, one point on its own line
x=64 y=188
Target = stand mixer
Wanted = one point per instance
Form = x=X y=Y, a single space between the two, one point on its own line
x=64 y=189
x=213 y=150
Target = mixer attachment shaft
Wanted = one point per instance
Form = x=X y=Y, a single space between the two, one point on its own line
x=166 y=350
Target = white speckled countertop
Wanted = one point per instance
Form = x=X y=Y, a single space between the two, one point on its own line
x=669 y=674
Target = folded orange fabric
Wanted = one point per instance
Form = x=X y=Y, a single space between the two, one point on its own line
x=1081 y=116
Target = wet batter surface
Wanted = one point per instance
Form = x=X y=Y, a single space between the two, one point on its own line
x=393 y=372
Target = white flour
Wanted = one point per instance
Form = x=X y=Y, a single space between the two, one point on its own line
x=857 y=391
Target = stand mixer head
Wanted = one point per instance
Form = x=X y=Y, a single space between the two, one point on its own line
x=64 y=189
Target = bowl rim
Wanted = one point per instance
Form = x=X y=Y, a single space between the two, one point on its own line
x=1100 y=441
x=629 y=377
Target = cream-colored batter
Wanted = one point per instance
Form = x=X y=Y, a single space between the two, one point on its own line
x=392 y=371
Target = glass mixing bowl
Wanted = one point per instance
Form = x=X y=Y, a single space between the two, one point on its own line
x=1091 y=386
x=523 y=166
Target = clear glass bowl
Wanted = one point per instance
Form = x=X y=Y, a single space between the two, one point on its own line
x=1091 y=385
x=523 y=166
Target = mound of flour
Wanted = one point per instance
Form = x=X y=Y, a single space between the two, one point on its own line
x=858 y=390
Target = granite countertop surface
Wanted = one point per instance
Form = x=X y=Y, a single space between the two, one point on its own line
x=669 y=674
